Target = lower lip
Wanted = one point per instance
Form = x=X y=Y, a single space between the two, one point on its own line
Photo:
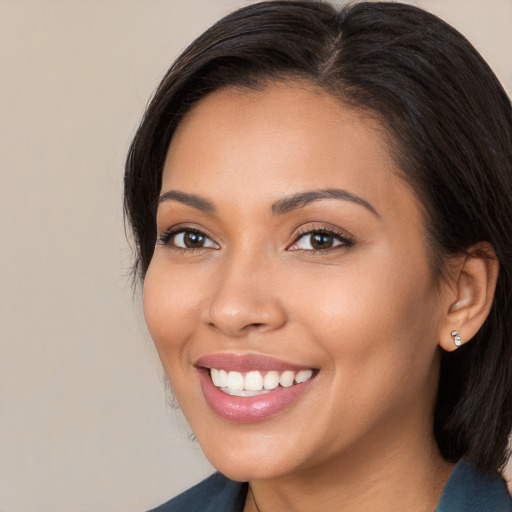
x=249 y=409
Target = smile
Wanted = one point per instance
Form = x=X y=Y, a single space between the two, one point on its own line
x=255 y=383
x=250 y=388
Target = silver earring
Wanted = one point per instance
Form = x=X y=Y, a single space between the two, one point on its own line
x=456 y=338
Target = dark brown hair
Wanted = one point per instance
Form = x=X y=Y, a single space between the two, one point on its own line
x=449 y=124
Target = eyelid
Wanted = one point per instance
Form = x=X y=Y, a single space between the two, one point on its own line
x=346 y=238
x=169 y=233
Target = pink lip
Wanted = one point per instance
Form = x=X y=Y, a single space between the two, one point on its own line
x=254 y=408
x=246 y=363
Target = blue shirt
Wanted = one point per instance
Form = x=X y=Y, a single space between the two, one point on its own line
x=467 y=490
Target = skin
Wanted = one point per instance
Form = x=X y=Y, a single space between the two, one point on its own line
x=368 y=314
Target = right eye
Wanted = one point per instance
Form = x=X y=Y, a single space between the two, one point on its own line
x=188 y=239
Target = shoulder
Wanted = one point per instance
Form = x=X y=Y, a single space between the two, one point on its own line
x=211 y=495
x=468 y=490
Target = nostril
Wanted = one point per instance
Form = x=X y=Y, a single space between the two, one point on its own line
x=254 y=325
x=248 y=327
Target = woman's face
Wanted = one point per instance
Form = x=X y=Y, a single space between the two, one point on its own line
x=289 y=251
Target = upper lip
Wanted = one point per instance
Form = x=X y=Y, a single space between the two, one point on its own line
x=247 y=362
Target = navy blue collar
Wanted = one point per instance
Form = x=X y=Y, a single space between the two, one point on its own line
x=467 y=490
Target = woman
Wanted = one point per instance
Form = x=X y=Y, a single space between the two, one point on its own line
x=320 y=200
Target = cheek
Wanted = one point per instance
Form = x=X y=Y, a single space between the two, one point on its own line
x=377 y=329
x=373 y=316
x=171 y=300
x=170 y=306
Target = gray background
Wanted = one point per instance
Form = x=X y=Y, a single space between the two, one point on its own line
x=84 y=424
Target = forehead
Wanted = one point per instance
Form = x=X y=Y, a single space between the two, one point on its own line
x=281 y=140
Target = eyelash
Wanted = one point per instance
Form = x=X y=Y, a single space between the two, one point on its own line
x=345 y=239
x=166 y=238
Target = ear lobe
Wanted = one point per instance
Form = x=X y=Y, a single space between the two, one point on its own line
x=472 y=283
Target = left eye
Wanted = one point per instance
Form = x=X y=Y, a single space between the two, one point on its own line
x=188 y=239
x=318 y=240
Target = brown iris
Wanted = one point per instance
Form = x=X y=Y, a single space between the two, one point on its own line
x=321 y=241
x=193 y=239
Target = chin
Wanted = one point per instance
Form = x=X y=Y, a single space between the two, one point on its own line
x=248 y=456
x=249 y=470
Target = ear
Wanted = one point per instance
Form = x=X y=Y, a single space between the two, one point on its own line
x=471 y=285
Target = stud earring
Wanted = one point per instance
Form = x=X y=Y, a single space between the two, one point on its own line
x=456 y=338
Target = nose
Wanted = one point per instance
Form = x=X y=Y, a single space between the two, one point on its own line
x=245 y=298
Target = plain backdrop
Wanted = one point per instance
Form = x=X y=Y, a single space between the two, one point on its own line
x=84 y=421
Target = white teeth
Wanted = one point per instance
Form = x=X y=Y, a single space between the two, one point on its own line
x=253 y=383
x=223 y=379
x=214 y=374
x=235 y=381
x=303 y=376
x=287 y=378
x=271 y=380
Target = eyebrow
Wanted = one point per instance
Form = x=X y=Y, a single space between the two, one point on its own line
x=302 y=199
x=281 y=207
x=198 y=202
